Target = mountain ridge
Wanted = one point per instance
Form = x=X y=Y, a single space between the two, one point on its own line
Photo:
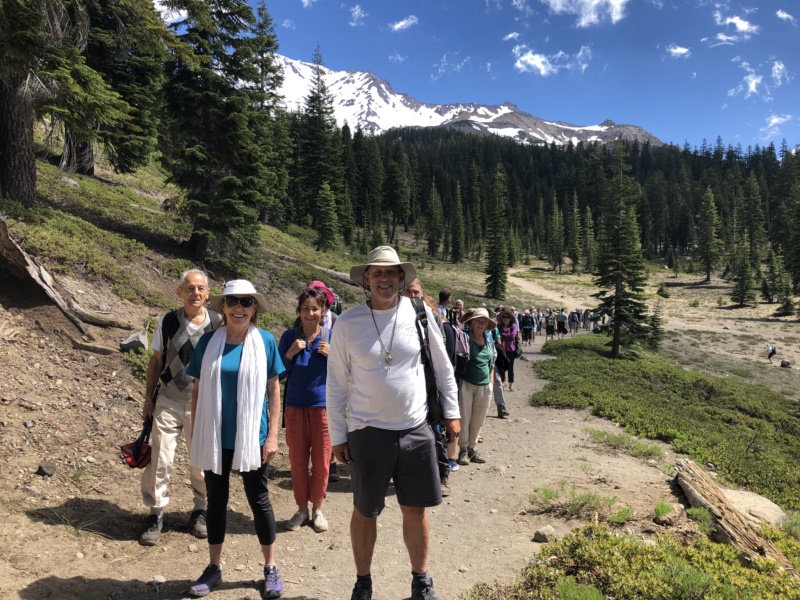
x=363 y=99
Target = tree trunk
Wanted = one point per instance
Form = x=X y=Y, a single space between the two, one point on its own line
x=17 y=158
x=198 y=244
x=78 y=156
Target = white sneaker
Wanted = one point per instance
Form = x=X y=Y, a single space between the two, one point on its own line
x=319 y=523
x=296 y=522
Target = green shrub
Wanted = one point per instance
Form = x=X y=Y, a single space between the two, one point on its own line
x=702 y=517
x=624 y=568
x=694 y=303
x=625 y=442
x=569 y=589
x=663 y=291
x=791 y=524
x=661 y=509
x=275 y=321
x=138 y=360
x=750 y=432
x=622 y=516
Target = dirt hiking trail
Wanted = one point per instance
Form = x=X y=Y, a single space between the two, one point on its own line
x=74 y=535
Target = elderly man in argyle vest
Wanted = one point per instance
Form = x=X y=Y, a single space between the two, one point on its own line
x=173 y=344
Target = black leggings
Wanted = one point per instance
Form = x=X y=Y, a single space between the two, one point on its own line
x=255 y=486
x=512 y=356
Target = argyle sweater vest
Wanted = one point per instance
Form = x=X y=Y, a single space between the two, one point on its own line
x=179 y=344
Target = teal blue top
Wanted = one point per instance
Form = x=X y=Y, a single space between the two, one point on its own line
x=229 y=382
x=480 y=358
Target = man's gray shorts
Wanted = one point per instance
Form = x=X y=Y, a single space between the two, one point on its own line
x=408 y=456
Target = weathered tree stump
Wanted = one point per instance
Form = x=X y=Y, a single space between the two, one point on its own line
x=730 y=526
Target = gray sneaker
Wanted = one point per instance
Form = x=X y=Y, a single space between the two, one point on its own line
x=475 y=457
x=152 y=532
x=424 y=592
x=197 y=524
x=211 y=578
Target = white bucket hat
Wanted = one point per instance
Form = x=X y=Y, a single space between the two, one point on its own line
x=382 y=256
x=477 y=313
x=237 y=287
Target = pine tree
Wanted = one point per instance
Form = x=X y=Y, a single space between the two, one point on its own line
x=744 y=288
x=575 y=234
x=319 y=152
x=397 y=191
x=753 y=220
x=210 y=139
x=457 y=244
x=555 y=245
x=496 y=249
x=709 y=246
x=589 y=244
x=435 y=222
x=328 y=228
x=621 y=274
x=655 y=334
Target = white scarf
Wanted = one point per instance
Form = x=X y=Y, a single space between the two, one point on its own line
x=206 y=450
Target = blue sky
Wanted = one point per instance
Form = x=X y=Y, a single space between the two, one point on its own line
x=684 y=70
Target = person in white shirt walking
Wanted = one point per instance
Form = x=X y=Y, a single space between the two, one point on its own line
x=377 y=414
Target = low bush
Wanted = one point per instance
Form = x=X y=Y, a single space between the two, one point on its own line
x=661 y=509
x=749 y=432
x=625 y=568
x=702 y=517
x=625 y=442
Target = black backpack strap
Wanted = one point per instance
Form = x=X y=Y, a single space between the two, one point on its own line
x=169 y=327
x=215 y=319
x=435 y=410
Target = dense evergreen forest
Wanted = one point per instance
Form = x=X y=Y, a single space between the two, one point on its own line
x=200 y=96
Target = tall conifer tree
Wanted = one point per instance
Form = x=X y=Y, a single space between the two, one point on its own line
x=555 y=238
x=496 y=232
x=709 y=246
x=435 y=222
x=457 y=228
x=621 y=274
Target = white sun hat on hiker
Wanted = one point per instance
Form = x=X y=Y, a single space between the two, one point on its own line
x=383 y=256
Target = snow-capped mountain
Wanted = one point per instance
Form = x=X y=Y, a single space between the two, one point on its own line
x=360 y=98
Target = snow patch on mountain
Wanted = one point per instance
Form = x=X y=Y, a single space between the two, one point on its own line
x=360 y=98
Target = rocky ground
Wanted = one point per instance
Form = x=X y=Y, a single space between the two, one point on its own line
x=73 y=534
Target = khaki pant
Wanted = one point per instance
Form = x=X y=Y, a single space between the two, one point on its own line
x=171 y=417
x=473 y=401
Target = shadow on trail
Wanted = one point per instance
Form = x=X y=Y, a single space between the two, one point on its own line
x=101 y=517
x=82 y=588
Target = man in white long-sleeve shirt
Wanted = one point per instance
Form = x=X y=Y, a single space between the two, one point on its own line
x=377 y=414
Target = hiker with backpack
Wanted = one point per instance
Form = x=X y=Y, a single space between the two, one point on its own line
x=508 y=337
x=378 y=413
x=475 y=388
x=304 y=351
x=170 y=404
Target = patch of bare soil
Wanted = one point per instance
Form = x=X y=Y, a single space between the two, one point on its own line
x=74 y=535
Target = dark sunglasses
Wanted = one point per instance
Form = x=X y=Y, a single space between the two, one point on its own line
x=231 y=301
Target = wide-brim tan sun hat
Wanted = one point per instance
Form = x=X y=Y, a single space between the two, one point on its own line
x=237 y=287
x=382 y=256
x=477 y=313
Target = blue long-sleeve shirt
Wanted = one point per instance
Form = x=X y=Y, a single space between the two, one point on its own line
x=307 y=371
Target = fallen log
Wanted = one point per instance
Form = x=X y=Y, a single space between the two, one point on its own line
x=79 y=345
x=342 y=277
x=22 y=265
x=730 y=526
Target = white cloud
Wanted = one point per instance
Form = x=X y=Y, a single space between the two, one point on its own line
x=750 y=84
x=357 y=15
x=772 y=127
x=741 y=25
x=288 y=24
x=496 y=3
x=308 y=3
x=522 y=6
x=397 y=58
x=169 y=15
x=528 y=61
x=676 y=51
x=404 y=24
x=780 y=74
x=784 y=16
x=589 y=12
x=511 y=36
x=446 y=64
x=489 y=67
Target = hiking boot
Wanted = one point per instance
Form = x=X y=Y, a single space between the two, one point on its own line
x=463 y=459
x=361 y=591
x=445 y=488
x=501 y=411
x=333 y=474
x=273 y=583
x=297 y=520
x=424 y=592
x=152 y=531
x=453 y=465
x=197 y=524
x=319 y=522
x=475 y=457
x=211 y=578
x=510 y=387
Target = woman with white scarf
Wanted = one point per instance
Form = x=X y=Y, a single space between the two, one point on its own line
x=233 y=367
